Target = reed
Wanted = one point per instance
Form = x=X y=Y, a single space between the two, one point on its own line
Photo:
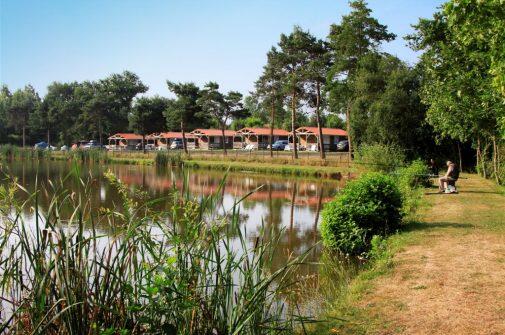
x=148 y=275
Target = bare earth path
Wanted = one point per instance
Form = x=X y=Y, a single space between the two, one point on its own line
x=450 y=279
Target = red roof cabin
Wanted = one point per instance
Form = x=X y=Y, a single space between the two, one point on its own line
x=124 y=141
x=259 y=138
x=165 y=140
x=308 y=137
x=209 y=139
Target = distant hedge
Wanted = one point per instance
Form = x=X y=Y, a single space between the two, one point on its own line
x=368 y=206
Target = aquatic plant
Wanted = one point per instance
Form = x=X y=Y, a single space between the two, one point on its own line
x=63 y=275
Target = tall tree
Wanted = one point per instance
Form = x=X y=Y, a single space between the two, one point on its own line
x=290 y=61
x=22 y=104
x=315 y=78
x=57 y=114
x=357 y=34
x=184 y=111
x=5 y=97
x=147 y=116
x=222 y=108
x=107 y=103
x=269 y=89
x=458 y=58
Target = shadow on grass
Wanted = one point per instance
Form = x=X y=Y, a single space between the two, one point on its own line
x=417 y=225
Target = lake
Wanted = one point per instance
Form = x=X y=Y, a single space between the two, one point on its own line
x=284 y=204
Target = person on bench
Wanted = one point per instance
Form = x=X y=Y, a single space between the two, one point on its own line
x=449 y=178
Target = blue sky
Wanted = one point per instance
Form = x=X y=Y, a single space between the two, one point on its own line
x=220 y=40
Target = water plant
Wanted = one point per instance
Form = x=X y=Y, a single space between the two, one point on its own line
x=147 y=275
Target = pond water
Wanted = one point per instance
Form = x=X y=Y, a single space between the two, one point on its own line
x=291 y=205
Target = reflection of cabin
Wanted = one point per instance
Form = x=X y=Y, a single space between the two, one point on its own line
x=212 y=139
x=164 y=140
x=260 y=137
x=124 y=141
x=308 y=137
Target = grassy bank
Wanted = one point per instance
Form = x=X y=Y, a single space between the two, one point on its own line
x=432 y=276
x=309 y=165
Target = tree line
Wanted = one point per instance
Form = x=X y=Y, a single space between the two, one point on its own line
x=453 y=98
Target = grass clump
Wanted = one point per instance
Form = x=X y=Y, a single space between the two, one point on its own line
x=148 y=275
x=368 y=206
x=380 y=157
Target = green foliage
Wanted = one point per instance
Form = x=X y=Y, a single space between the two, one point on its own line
x=417 y=174
x=146 y=276
x=166 y=158
x=366 y=207
x=380 y=157
x=411 y=181
x=147 y=115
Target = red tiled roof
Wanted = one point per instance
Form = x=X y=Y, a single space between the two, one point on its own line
x=212 y=132
x=127 y=136
x=174 y=134
x=326 y=131
x=263 y=131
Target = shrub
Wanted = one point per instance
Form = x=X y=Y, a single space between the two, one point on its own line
x=380 y=157
x=411 y=180
x=371 y=205
x=415 y=175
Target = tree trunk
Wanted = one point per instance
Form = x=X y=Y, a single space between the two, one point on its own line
x=483 y=155
x=143 y=142
x=24 y=135
x=348 y=126
x=479 y=158
x=460 y=157
x=223 y=139
x=100 y=130
x=293 y=122
x=184 y=144
x=48 y=137
x=272 y=119
x=495 y=161
x=318 y=119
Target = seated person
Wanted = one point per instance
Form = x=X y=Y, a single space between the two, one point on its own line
x=451 y=176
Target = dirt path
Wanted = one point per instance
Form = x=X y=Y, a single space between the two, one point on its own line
x=450 y=279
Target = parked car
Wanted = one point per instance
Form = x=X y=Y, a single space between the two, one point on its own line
x=343 y=145
x=280 y=145
x=148 y=146
x=41 y=145
x=64 y=148
x=44 y=146
x=176 y=144
x=92 y=145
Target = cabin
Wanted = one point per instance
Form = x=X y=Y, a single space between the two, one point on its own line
x=308 y=137
x=259 y=138
x=124 y=141
x=165 y=140
x=208 y=139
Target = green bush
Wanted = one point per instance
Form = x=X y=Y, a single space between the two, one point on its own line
x=380 y=157
x=371 y=205
x=415 y=175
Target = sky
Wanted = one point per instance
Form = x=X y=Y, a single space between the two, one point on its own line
x=186 y=40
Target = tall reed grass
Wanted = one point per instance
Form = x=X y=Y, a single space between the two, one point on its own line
x=148 y=275
x=8 y=151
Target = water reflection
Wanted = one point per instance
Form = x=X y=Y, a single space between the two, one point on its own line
x=278 y=203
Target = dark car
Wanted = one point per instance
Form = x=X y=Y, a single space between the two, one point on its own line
x=343 y=145
x=280 y=145
x=41 y=145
